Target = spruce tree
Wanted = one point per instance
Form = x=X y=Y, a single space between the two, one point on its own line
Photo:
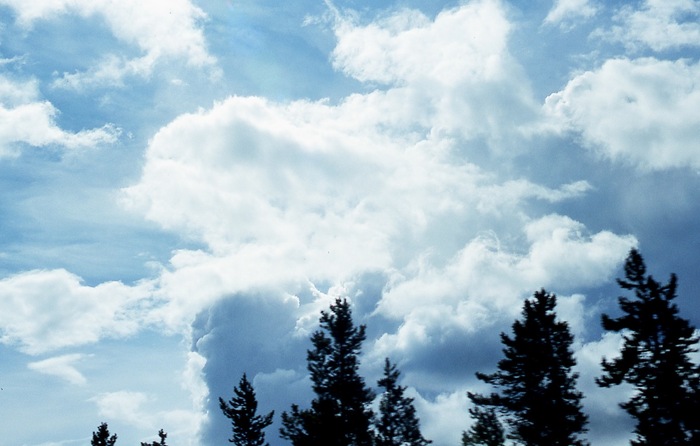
x=340 y=414
x=397 y=424
x=538 y=393
x=487 y=429
x=162 y=435
x=102 y=437
x=655 y=360
x=248 y=427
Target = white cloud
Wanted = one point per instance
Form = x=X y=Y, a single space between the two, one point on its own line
x=61 y=366
x=401 y=48
x=638 y=111
x=142 y=411
x=287 y=198
x=124 y=406
x=45 y=310
x=483 y=285
x=658 y=24
x=603 y=403
x=486 y=274
x=282 y=194
x=193 y=382
x=159 y=30
x=444 y=418
x=14 y=93
x=26 y=119
x=566 y=11
x=471 y=86
x=563 y=255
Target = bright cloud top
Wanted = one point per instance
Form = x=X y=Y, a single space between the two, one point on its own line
x=640 y=111
x=158 y=29
x=401 y=48
x=465 y=87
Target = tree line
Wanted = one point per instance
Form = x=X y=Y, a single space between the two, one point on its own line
x=534 y=399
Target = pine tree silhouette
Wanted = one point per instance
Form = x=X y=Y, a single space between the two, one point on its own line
x=397 y=424
x=655 y=360
x=248 y=427
x=538 y=395
x=487 y=430
x=340 y=414
x=102 y=437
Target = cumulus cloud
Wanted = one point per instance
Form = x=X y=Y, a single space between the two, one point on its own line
x=487 y=274
x=472 y=86
x=566 y=11
x=377 y=197
x=444 y=417
x=603 y=403
x=401 y=48
x=286 y=193
x=123 y=406
x=26 y=119
x=158 y=29
x=61 y=367
x=658 y=24
x=45 y=310
x=135 y=409
x=639 y=111
x=483 y=286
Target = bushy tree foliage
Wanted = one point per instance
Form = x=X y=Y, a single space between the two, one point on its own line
x=340 y=414
x=248 y=427
x=538 y=395
x=655 y=360
x=102 y=436
x=397 y=424
x=487 y=429
x=162 y=436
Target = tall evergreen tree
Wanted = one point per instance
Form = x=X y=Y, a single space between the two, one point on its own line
x=102 y=436
x=538 y=393
x=397 y=424
x=487 y=429
x=162 y=436
x=248 y=427
x=340 y=414
x=655 y=360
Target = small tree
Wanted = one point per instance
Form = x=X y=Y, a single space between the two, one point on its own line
x=162 y=435
x=398 y=424
x=102 y=437
x=655 y=360
x=538 y=389
x=487 y=430
x=248 y=427
x=340 y=415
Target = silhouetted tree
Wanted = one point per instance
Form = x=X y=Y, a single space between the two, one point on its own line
x=397 y=424
x=487 y=429
x=102 y=437
x=248 y=427
x=340 y=414
x=537 y=387
x=655 y=360
x=162 y=435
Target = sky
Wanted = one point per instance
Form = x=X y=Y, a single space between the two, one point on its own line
x=186 y=184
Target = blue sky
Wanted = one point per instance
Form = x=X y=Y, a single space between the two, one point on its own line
x=186 y=184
